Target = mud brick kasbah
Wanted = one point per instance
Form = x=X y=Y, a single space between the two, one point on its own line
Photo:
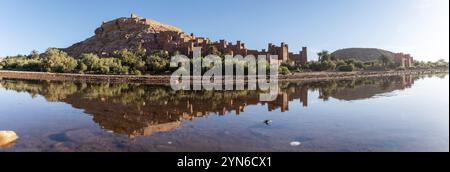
x=135 y=31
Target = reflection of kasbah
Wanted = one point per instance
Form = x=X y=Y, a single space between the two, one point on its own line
x=134 y=109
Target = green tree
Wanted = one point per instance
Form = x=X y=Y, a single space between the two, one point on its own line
x=55 y=60
x=132 y=60
x=156 y=64
x=34 y=55
x=93 y=64
x=324 y=56
x=90 y=61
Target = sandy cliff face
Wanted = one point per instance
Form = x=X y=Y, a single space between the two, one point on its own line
x=129 y=33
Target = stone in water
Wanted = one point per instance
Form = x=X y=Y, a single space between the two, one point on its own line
x=7 y=137
x=295 y=143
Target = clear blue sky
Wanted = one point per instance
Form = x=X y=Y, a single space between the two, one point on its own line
x=419 y=27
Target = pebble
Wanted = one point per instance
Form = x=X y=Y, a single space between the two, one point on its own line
x=295 y=143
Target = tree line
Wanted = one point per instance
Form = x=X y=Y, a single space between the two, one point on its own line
x=139 y=62
x=121 y=62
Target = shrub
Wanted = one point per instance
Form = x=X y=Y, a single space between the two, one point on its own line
x=156 y=64
x=131 y=59
x=32 y=65
x=284 y=70
x=136 y=72
x=360 y=65
x=112 y=66
x=346 y=68
x=91 y=63
x=21 y=63
x=82 y=67
x=322 y=66
x=340 y=63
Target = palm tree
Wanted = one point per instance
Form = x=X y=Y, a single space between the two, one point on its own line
x=323 y=55
x=34 y=54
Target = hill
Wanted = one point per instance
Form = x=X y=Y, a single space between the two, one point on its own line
x=363 y=54
x=129 y=33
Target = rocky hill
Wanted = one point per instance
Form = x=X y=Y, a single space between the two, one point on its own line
x=128 y=33
x=363 y=54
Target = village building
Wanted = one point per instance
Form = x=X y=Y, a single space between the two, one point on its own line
x=404 y=60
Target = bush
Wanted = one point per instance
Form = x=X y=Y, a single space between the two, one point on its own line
x=54 y=60
x=346 y=68
x=340 y=63
x=91 y=63
x=21 y=63
x=360 y=65
x=322 y=66
x=136 y=72
x=113 y=66
x=82 y=68
x=284 y=70
x=156 y=64
x=131 y=59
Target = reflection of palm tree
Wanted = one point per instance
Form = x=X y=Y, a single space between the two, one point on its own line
x=385 y=84
x=324 y=55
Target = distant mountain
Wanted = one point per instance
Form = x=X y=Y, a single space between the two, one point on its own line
x=363 y=54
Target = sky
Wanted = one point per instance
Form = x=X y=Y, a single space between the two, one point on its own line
x=418 y=27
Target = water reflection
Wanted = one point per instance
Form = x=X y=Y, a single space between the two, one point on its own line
x=137 y=109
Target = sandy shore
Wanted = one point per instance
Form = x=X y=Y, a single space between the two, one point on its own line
x=165 y=79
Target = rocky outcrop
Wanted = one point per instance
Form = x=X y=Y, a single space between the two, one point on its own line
x=129 y=33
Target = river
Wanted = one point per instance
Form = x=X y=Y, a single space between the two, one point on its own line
x=396 y=113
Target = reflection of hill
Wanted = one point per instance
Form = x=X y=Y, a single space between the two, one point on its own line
x=365 y=91
x=134 y=109
x=363 y=88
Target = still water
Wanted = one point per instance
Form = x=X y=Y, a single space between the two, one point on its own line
x=399 y=113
